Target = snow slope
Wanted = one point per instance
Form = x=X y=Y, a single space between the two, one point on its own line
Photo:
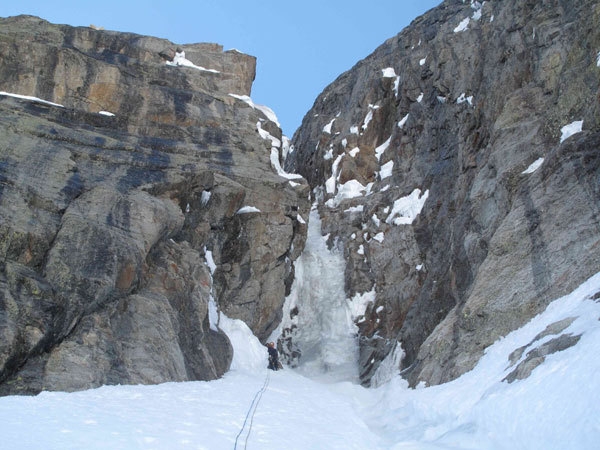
x=556 y=407
x=293 y=413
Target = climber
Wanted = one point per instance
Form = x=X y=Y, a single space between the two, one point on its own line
x=273 y=356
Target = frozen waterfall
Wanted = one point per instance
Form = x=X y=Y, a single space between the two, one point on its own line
x=317 y=332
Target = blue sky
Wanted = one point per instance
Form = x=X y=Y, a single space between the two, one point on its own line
x=301 y=46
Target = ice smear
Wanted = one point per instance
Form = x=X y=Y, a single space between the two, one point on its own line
x=389 y=72
x=396 y=85
x=268 y=112
x=463 y=25
x=463 y=98
x=403 y=121
x=266 y=135
x=327 y=128
x=275 y=144
x=213 y=312
x=277 y=166
x=331 y=182
x=477 y=7
x=205 y=197
x=354 y=209
x=382 y=148
x=181 y=60
x=386 y=170
x=369 y=116
x=360 y=302
x=389 y=368
x=248 y=209
x=376 y=220
x=287 y=147
x=210 y=262
x=571 y=129
x=33 y=99
x=534 y=166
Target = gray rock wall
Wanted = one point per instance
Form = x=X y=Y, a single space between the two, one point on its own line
x=469 y=96
x=106 y=222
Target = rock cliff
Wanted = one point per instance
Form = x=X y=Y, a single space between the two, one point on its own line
x=138 y=197
x=458 y=169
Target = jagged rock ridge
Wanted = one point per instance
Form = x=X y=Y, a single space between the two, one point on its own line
x=443 y=171
x=121 y=210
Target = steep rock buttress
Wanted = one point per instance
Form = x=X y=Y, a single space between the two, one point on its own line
x=140 y=194
x=457 y=168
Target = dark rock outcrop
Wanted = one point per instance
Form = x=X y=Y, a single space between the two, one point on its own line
x=115 y=206
x=460 y=242
x=538 y=353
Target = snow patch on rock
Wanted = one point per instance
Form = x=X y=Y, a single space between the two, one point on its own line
x=569 y=130
x=406 y=209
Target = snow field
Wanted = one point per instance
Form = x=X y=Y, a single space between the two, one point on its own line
x=294 y=413
x=557 y=407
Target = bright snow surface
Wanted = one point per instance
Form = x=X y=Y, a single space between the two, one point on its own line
x=534 y=166
x=569 y=130
x=557 y=407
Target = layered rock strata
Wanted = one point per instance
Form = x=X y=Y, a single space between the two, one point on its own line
x=138 y=197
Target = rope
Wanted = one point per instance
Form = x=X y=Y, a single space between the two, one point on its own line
x=251 y=411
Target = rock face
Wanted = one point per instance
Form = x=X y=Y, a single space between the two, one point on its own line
x=121 y=210
x=443 y=171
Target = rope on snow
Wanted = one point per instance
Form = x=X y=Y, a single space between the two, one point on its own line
x=251 y=412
